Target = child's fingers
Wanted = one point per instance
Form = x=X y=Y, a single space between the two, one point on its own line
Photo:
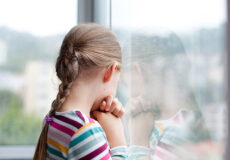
x=121 y=112
x=103 y=105
x=116 y=103
x=109 y=101
x=117 y=110
x=112 y=107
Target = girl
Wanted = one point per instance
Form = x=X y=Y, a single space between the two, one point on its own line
x=88 y=66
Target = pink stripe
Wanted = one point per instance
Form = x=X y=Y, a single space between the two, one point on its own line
x=62 y=128
x=58 y=136
x=80 y=115
x=95 y=152
x=165 y=146
x=161 y=155
x=176 y=118
x=69 y=121
x=91 y=120
x=106 y=157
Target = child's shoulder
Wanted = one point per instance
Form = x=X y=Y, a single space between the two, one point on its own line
x=70 y=129
x=75 y=120
x=74 y=117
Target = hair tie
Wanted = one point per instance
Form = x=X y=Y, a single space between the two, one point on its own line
x=48 y=118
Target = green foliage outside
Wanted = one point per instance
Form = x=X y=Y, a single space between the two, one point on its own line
x=16 y=127
x=23 y=47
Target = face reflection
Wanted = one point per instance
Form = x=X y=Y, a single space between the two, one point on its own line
x=137 y=80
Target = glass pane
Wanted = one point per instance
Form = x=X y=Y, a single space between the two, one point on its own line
x=173 y=82
x=31 y=32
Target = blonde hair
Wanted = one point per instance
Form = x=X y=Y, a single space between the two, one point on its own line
x=85 y=46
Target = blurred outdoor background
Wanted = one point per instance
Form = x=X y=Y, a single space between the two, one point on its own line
x=173 y=56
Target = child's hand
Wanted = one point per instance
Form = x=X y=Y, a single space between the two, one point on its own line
x=112 y=126
x=112 y=105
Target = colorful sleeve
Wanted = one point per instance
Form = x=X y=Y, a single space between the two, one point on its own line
x=119 y=152
x=89 y=142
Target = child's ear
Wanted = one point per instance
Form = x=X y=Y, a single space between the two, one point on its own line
x=109 y=72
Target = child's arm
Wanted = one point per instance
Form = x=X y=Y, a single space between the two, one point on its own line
x=90 y=142
x=113 y=128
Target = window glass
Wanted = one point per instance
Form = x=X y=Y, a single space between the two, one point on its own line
x=31 y=32
x=173 y=82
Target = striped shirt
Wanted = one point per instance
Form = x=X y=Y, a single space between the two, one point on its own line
x=72 y=135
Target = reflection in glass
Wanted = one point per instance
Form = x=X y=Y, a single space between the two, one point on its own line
x=174 y=76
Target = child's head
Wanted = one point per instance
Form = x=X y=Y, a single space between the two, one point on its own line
x=89 y=52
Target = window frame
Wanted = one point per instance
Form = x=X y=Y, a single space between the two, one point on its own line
x=227 y=153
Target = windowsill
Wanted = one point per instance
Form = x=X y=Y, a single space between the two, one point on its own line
x=17 y=152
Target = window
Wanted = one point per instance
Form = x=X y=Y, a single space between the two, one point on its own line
x=172 y=85
x=174 y=58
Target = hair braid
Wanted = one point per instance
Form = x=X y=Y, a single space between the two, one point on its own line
x=68 y=71
x=69 y=74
